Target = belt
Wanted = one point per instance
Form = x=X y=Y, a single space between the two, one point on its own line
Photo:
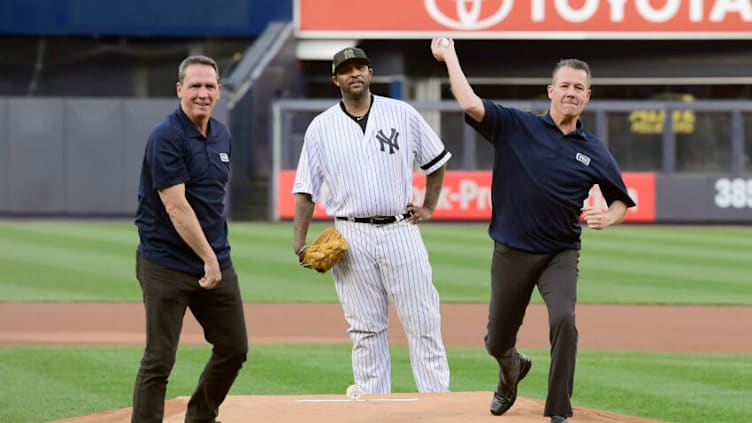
x=376 y=220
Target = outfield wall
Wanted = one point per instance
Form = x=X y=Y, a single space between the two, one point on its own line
x=660 y=198
x=75 y=156
x=81 y=157
x=683 y=162
x=703 y=198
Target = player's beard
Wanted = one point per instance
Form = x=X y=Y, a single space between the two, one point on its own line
x=358 y=93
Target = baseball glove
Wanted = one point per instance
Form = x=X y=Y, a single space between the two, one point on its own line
x=324 y=252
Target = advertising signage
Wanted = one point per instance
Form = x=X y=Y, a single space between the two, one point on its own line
x=466 y=196
x=659 y=198
x=528 y=19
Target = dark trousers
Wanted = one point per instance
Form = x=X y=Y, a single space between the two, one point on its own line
x=514 y=275
x=167 y=293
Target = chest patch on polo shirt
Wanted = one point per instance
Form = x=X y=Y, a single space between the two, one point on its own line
x=224 y=157
x=583 y=159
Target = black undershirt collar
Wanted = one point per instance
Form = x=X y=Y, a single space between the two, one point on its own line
x=360 y=120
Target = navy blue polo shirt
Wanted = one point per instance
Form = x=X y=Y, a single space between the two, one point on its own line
x=177 y=153
x=541 y=178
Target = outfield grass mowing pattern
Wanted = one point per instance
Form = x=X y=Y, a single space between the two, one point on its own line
x=80 y=261
x=667 y=265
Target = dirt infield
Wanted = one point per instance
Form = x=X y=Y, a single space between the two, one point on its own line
x=602 y=327
x=710 y=329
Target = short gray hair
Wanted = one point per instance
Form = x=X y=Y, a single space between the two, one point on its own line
x=574 y=64
x=192 y=60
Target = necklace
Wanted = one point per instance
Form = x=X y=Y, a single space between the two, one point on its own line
x=353 y=116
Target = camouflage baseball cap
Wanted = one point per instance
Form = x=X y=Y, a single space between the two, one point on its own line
x=347 y=54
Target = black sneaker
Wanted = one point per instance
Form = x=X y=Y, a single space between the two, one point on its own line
x=506 y=394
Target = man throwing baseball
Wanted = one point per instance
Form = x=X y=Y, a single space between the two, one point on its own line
x=544 y=168
x=364 y=149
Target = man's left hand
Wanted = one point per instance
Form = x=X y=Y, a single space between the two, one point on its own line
x=418 y=214
x=595 y=218
x=212 y=276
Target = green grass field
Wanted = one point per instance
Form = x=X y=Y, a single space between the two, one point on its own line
x=84 y=261
x=77 y=261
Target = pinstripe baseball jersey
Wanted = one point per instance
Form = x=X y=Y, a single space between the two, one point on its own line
x=368 y=174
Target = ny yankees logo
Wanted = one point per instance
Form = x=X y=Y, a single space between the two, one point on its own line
x=391 y=141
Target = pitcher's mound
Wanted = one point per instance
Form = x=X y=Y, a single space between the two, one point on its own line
x=452 y=407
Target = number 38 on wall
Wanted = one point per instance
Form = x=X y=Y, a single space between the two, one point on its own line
x=736 y=193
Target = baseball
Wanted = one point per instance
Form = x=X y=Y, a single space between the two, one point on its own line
x=354 y=393
x=443 y=42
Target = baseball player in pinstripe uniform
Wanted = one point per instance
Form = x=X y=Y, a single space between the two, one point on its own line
x=364 y=150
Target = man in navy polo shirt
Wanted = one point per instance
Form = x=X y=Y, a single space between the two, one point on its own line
x=544 y=168
x=183 y=258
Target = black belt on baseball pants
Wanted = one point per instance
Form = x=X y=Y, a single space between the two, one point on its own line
x=376 y=220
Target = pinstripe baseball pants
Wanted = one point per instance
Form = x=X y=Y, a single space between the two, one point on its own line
x=390 y=263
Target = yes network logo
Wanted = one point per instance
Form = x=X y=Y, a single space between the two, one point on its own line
x=468 y=14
